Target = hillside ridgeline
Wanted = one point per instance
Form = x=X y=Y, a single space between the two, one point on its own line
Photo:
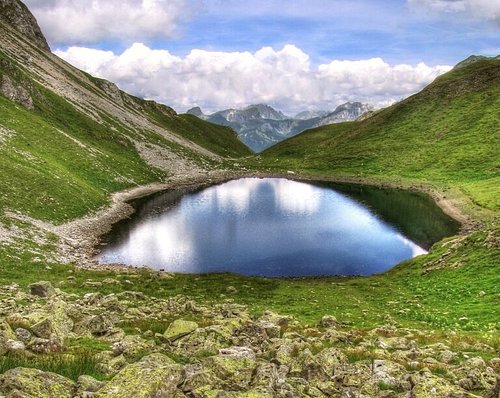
x=69 y=139
x=446 y=135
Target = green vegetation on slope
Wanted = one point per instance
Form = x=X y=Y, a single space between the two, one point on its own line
x=218 y=139
x=58 y=163
x=448 y=134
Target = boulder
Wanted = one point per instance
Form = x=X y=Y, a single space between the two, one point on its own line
x=179 y=328
x=280 y=320
x=59 y=311
x=426 y=385
x=97 y=325
x=204 y=340
x=196 y=378
x=308 y=368
x=132 y=346
x=45 y=346
x=86 y=385
x=43 y=329
x=112 y=364
x=269 y=376
x=34 y=383
x=6 y=334
x=244 y=352
x=330 y=359
x=329 y=321
x=23 y=335
x=154 y=376
x=15 y=346
x=42 y=289
x=388 y=373
x=235 y=371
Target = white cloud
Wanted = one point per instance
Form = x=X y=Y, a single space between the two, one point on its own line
x=284 y=78
x=481 y=9
x=90 y=21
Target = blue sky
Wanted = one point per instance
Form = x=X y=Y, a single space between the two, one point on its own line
x=332 y=29
x=390 y=29
x=435 y=33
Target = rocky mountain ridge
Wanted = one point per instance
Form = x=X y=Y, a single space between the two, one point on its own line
x=261 y=126
x=17 y=15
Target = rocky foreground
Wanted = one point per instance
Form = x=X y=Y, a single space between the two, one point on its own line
x=149 y=347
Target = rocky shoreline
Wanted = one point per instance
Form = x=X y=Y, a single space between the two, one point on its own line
x=175 y=347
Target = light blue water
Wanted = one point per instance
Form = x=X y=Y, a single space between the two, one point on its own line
x=251 y=226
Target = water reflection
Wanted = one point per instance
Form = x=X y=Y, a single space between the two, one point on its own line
x=271 y=227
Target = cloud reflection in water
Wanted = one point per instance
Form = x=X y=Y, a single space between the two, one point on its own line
x=271 y=227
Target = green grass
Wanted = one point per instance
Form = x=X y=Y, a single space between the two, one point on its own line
x=70 y=365
x=219 y=139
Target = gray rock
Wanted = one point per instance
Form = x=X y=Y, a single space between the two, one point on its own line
x=154 y=376
x=34 y=383
x=42 y=289
x=43 y=329
x=387 y=372
x=179 y=328
x=245 y=352
x=18 y=16
x=6 y=334
x=328 y=321
x=15 y=346
x=45 y=346
x=88 y=384
x=235 y=371
x=18 y=92
x=23 y=335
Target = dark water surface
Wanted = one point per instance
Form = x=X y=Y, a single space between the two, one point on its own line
x=278 y=227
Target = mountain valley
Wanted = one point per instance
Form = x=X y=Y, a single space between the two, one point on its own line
x=77 y=152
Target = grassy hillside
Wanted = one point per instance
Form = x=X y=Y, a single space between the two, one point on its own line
x=219 y=139
x=60 y=160
x=447 y=135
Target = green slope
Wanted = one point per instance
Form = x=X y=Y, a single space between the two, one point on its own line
x=59 y=162
x=448 y=135
x=219 y=139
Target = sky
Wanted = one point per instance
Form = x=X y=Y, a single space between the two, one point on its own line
x=292 y=54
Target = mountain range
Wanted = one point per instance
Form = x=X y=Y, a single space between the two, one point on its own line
x=261 y=126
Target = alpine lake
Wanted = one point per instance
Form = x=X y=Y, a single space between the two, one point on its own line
x=276 y=227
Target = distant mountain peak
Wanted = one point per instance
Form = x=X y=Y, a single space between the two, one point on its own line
x=264 y=111
x=196 y=111
x=15 y=14
x=260 y=126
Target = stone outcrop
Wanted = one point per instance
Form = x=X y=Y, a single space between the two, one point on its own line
x=17 y=15
x=155 y=375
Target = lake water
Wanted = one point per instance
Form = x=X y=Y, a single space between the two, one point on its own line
x=278 y=227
